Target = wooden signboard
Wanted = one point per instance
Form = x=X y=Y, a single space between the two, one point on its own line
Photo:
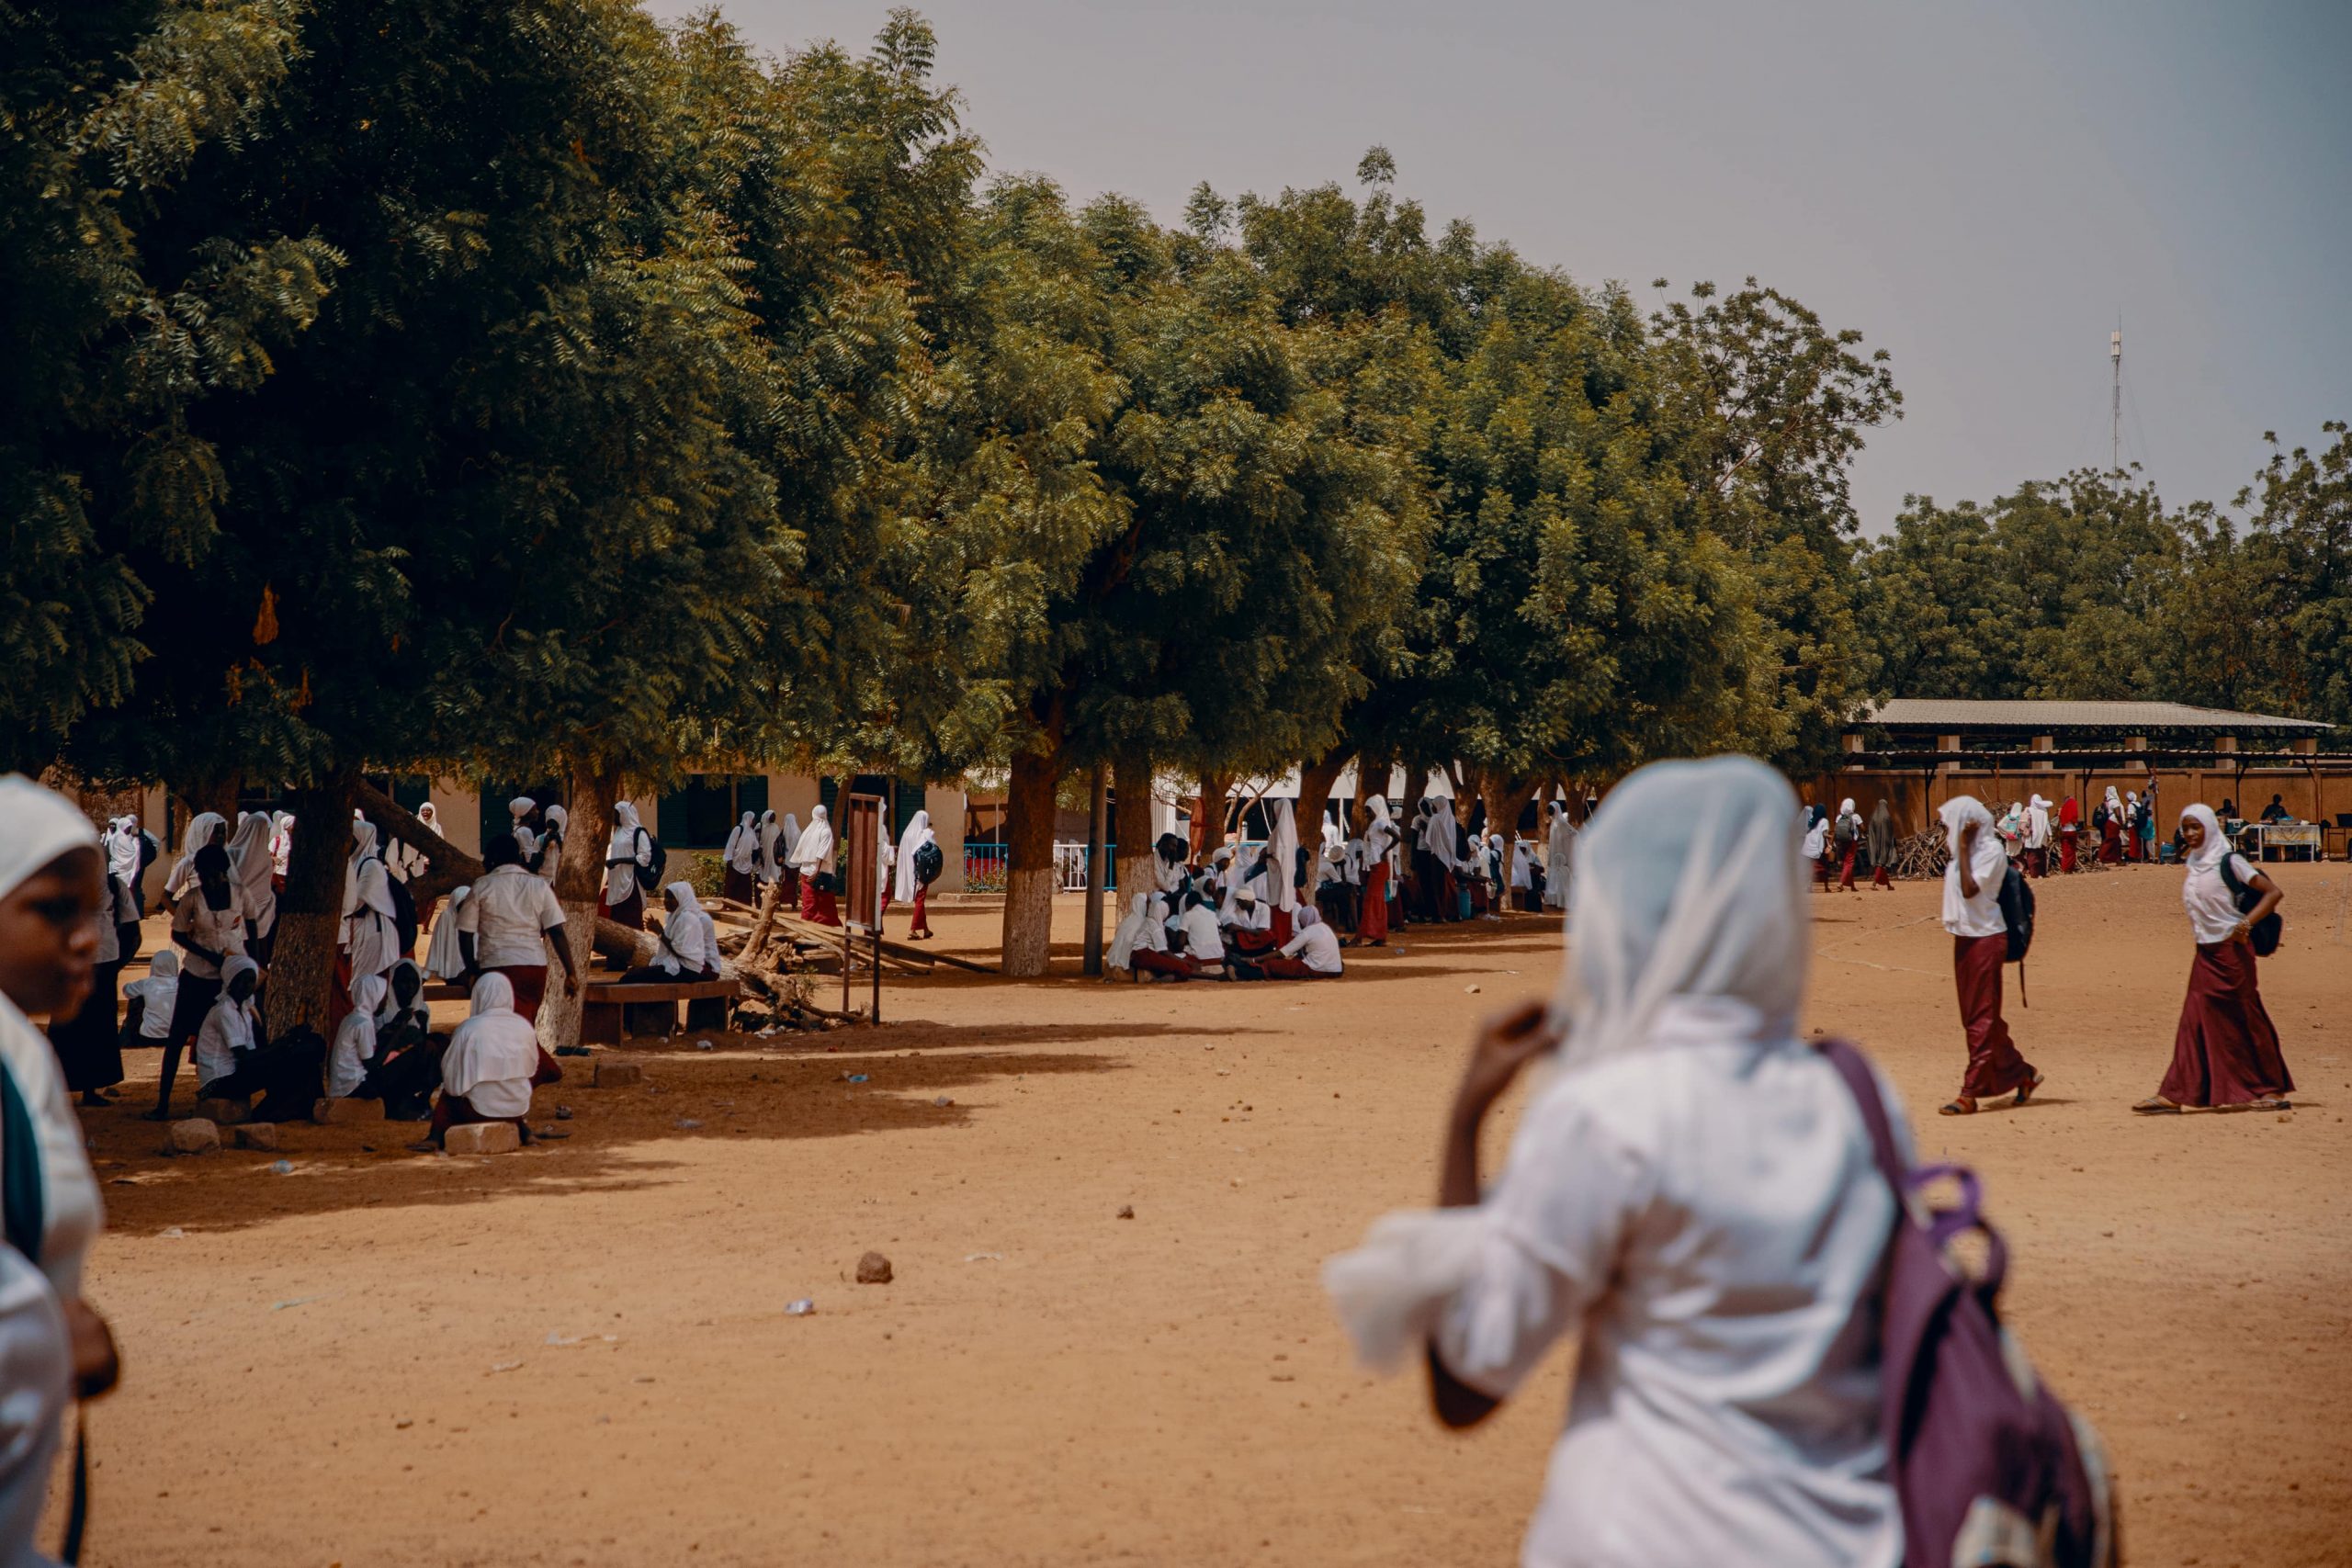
x=861 y=889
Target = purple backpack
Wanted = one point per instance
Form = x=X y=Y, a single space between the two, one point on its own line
x=1990 y=1469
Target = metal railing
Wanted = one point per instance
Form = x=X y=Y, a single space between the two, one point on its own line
x=987 y=867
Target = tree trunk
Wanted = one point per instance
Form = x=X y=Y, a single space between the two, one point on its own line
x=579 y=879
x=1138 y=866
x=1371 y=778
x=1029 y=879
x=1208 y=822
x=200 y=795
x=310 y=912
x=1314 y=781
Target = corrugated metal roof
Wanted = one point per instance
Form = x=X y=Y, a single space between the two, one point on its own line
x=2132 y=718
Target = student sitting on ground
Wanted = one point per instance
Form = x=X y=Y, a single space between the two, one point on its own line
x=232 y=1062
x=407 y=1065
x=147 y=1011
x=491 y=1064
x=1142 y=931
x=1311 y=953
x=1203 y=944
x=354 y=1052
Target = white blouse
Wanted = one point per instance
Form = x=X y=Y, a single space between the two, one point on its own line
x=2213 y=914
x=1980 y=915
x=1703 y=1215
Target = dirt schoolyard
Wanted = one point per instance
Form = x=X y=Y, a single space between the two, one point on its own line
x=585 y=1353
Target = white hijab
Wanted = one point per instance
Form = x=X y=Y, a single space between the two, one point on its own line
x=1689 y=886
x=123 y=848
x=787 y=840
x=1437 y=831
x=814 y=852
x=2208 y=854
x=281 y=840
x=1130 y=934
x=251 y=864
x=236 y=1017
x=904 y=882
x=496 y=1044
x=623 y=843
x=769 y=832
x=1379 y=834
x=363 y=849
x=444 y=960
x=742 y=851
x=370 y=930
x=686 y=932
x=1282 y=841
x=199 y=834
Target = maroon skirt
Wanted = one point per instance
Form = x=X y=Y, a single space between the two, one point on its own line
x=2226 y=1050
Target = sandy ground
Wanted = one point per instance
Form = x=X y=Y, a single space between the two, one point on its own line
x=580 y=1354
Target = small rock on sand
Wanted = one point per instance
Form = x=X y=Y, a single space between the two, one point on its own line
x=873 y=1270
x=1126 y=1211
x=196 y=1135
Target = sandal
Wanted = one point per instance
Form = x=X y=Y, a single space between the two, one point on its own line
x=1959 y=1105
x=2025 y=1091
x=2156 y=1105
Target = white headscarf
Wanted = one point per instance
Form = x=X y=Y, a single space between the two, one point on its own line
x=1689 y=886
x=121 y=842
x=521 y=806
x=1281 y=842
x=1129 y=935
x=251 y=866
x=354 y=1037
x=281 y=840
x=369 y=932
x=559 y=821
x=787 y=840
x=496 y=1044
x=199 y=834
x=1380 y=833
x=363 y=849
x=742 y=851
x=686 y=934
x=2208 y=854
x=2114 y=802
x=430 y=814
x=37 y=825
x=164 y=965
x=769 y=832
x=814 y=852
x=444 y=960
x=918 y=834
x=1437 y=831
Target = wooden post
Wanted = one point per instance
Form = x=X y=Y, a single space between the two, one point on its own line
x=1093 y=955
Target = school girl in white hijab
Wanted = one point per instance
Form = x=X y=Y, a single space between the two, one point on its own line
x=1282 y=844
x=492 y=1061
x=40 y=1274
x=1143 y=930
x=206 y=827
x=443 y=959
x=1690 y=1195
x=627 y=853
x=742 y=856
x=768 y=868
x=550 y=849
x=1559 y=857
x=363 y=850
x=686 y=947
x=252 y=866
x=910 y=886
x=371 y=932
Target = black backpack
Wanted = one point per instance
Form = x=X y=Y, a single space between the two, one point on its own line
x=2017 y=911
x=403 y=913
x=2267 y=930
x=929 y=862
x=657 y=861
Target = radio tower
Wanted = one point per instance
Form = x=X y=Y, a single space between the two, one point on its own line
x=2115 y=427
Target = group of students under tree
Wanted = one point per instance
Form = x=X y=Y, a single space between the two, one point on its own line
x=205 y=997
x=1286 y=910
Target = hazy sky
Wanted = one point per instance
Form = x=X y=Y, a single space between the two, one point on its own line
x=1981 y=189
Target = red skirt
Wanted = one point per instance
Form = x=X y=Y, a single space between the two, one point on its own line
x=2111 y=843
x=1994 y=1065
x=530 y=983
x=2226 y=1050
x=919 y=923
x=740 y=886
x=817 y=908
x=1372 y=924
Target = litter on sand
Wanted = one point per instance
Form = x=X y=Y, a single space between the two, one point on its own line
x=800 y=1308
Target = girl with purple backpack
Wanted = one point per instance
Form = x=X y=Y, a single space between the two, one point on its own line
x=1776 y=1362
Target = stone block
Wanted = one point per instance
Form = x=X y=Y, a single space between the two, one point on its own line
x=483 y=1138
x=255 y=1135
x=221 y=1113
x=338 y=1111
x=196 y=1135
x=618 y=1075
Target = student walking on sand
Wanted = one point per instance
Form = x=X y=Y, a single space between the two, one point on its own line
x=1691 y=1195
x=1881 y=844
x=2225 y=1055
x=1980 y=943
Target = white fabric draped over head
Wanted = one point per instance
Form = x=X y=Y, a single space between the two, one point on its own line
x=164 y=965
x=903 y=879
x=368 y=930
x=199 y=834
x=1282 y=843
x=2209 y=852
x=742 y=851
x=521 y=806
x=495 y=1044
x=1437 y=831
x=252 y=864
x=1689 y=886
x=363 y=849
x=41 y=825
x=814 y=852
x=1958 y=812
x=121 y=841
x=430 y=814
x=1125 y=941
x=770 y=829
x=444 y=960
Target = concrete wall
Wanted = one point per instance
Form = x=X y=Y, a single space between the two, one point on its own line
x=2312 y=793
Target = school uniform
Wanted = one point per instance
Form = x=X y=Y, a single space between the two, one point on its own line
x=509 y=916
x=1980 y=946
x=2225 y=1050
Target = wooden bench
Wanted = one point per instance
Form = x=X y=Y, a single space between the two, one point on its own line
x=601 y=1016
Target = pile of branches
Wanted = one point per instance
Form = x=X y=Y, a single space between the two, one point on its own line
x=1920 y=857
x=778 y=960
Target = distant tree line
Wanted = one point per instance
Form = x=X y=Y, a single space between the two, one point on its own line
x=524 y=388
